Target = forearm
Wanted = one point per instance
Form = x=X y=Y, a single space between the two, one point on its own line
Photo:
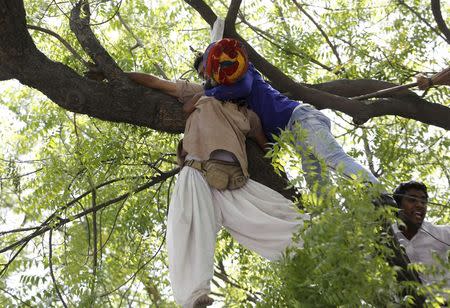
x=153 y=82
x=143 y=79
x=262 y=141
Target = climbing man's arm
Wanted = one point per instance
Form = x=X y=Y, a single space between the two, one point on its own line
x=257 y=132
x=150 y=81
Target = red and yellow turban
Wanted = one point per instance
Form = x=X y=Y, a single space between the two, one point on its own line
x=226 y=61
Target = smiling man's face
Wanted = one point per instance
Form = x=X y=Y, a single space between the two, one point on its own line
x=414 y=207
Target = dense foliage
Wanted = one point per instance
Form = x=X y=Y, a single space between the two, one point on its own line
x=107 y=185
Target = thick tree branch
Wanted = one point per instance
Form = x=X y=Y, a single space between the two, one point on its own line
x=115 y=102
x=87 y=39
x=204 y=10
x=5 y=76
x=129 y=103
x=436 y=9
x=233 y=11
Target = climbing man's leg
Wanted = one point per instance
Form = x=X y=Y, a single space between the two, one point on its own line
x=324 y=146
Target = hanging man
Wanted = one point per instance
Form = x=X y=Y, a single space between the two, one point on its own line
x=208 y=196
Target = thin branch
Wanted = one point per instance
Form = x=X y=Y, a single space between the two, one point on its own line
x=110 y=18
x=50 y=264
x=284 y=24
x=6 y=265
x=127 y=27
x=140 y=44
x=436 y=9
x=369 y=153
x=267 y=37
x=327 y=39
x=62 y=222
x=63 y=41
x=222 y=275
x=18 y=230
x=72 y=202
x=116 y=216
x=138 y=270
x=15 y=297
x=21 y=175
x=419 y=16
x=95 y=233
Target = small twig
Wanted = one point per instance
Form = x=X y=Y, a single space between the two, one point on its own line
x=63 y=41
x=110 y=18
x=369 y=153
x=18 y=230
x=50 y=264
x=140 y=44
x=113 y=226
x=266 y=36
x=327 y=39
x=15 y=297
x=138 y=270
x=419 y=16
x=5 y=266
x=62 y=222
x=95 y=233
x=21 y=175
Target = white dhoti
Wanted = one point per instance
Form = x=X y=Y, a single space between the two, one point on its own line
x=256 y=216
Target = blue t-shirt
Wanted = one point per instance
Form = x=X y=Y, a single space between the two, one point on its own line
x=273 y=108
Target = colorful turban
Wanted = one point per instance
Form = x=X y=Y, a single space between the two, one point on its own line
x=225 y=61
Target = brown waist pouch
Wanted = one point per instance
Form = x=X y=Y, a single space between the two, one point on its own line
x=220 y=174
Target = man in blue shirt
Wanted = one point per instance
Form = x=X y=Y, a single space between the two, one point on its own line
x=277 y=112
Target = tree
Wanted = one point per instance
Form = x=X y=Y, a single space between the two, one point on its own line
x=82 y=191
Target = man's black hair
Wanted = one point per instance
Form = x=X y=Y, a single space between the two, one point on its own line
x=198 y=60
x=401 y=189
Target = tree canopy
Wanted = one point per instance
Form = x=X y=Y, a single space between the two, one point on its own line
x=87 y=166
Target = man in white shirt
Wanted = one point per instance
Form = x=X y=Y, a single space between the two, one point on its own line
x=424 y=242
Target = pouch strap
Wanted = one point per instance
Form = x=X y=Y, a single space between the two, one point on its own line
x=194 y=164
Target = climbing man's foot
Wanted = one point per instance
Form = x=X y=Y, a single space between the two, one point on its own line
x=203 y=301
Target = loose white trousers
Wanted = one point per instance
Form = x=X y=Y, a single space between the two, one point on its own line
x=256 y=216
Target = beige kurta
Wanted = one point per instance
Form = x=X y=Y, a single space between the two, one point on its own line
x=216 y=125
